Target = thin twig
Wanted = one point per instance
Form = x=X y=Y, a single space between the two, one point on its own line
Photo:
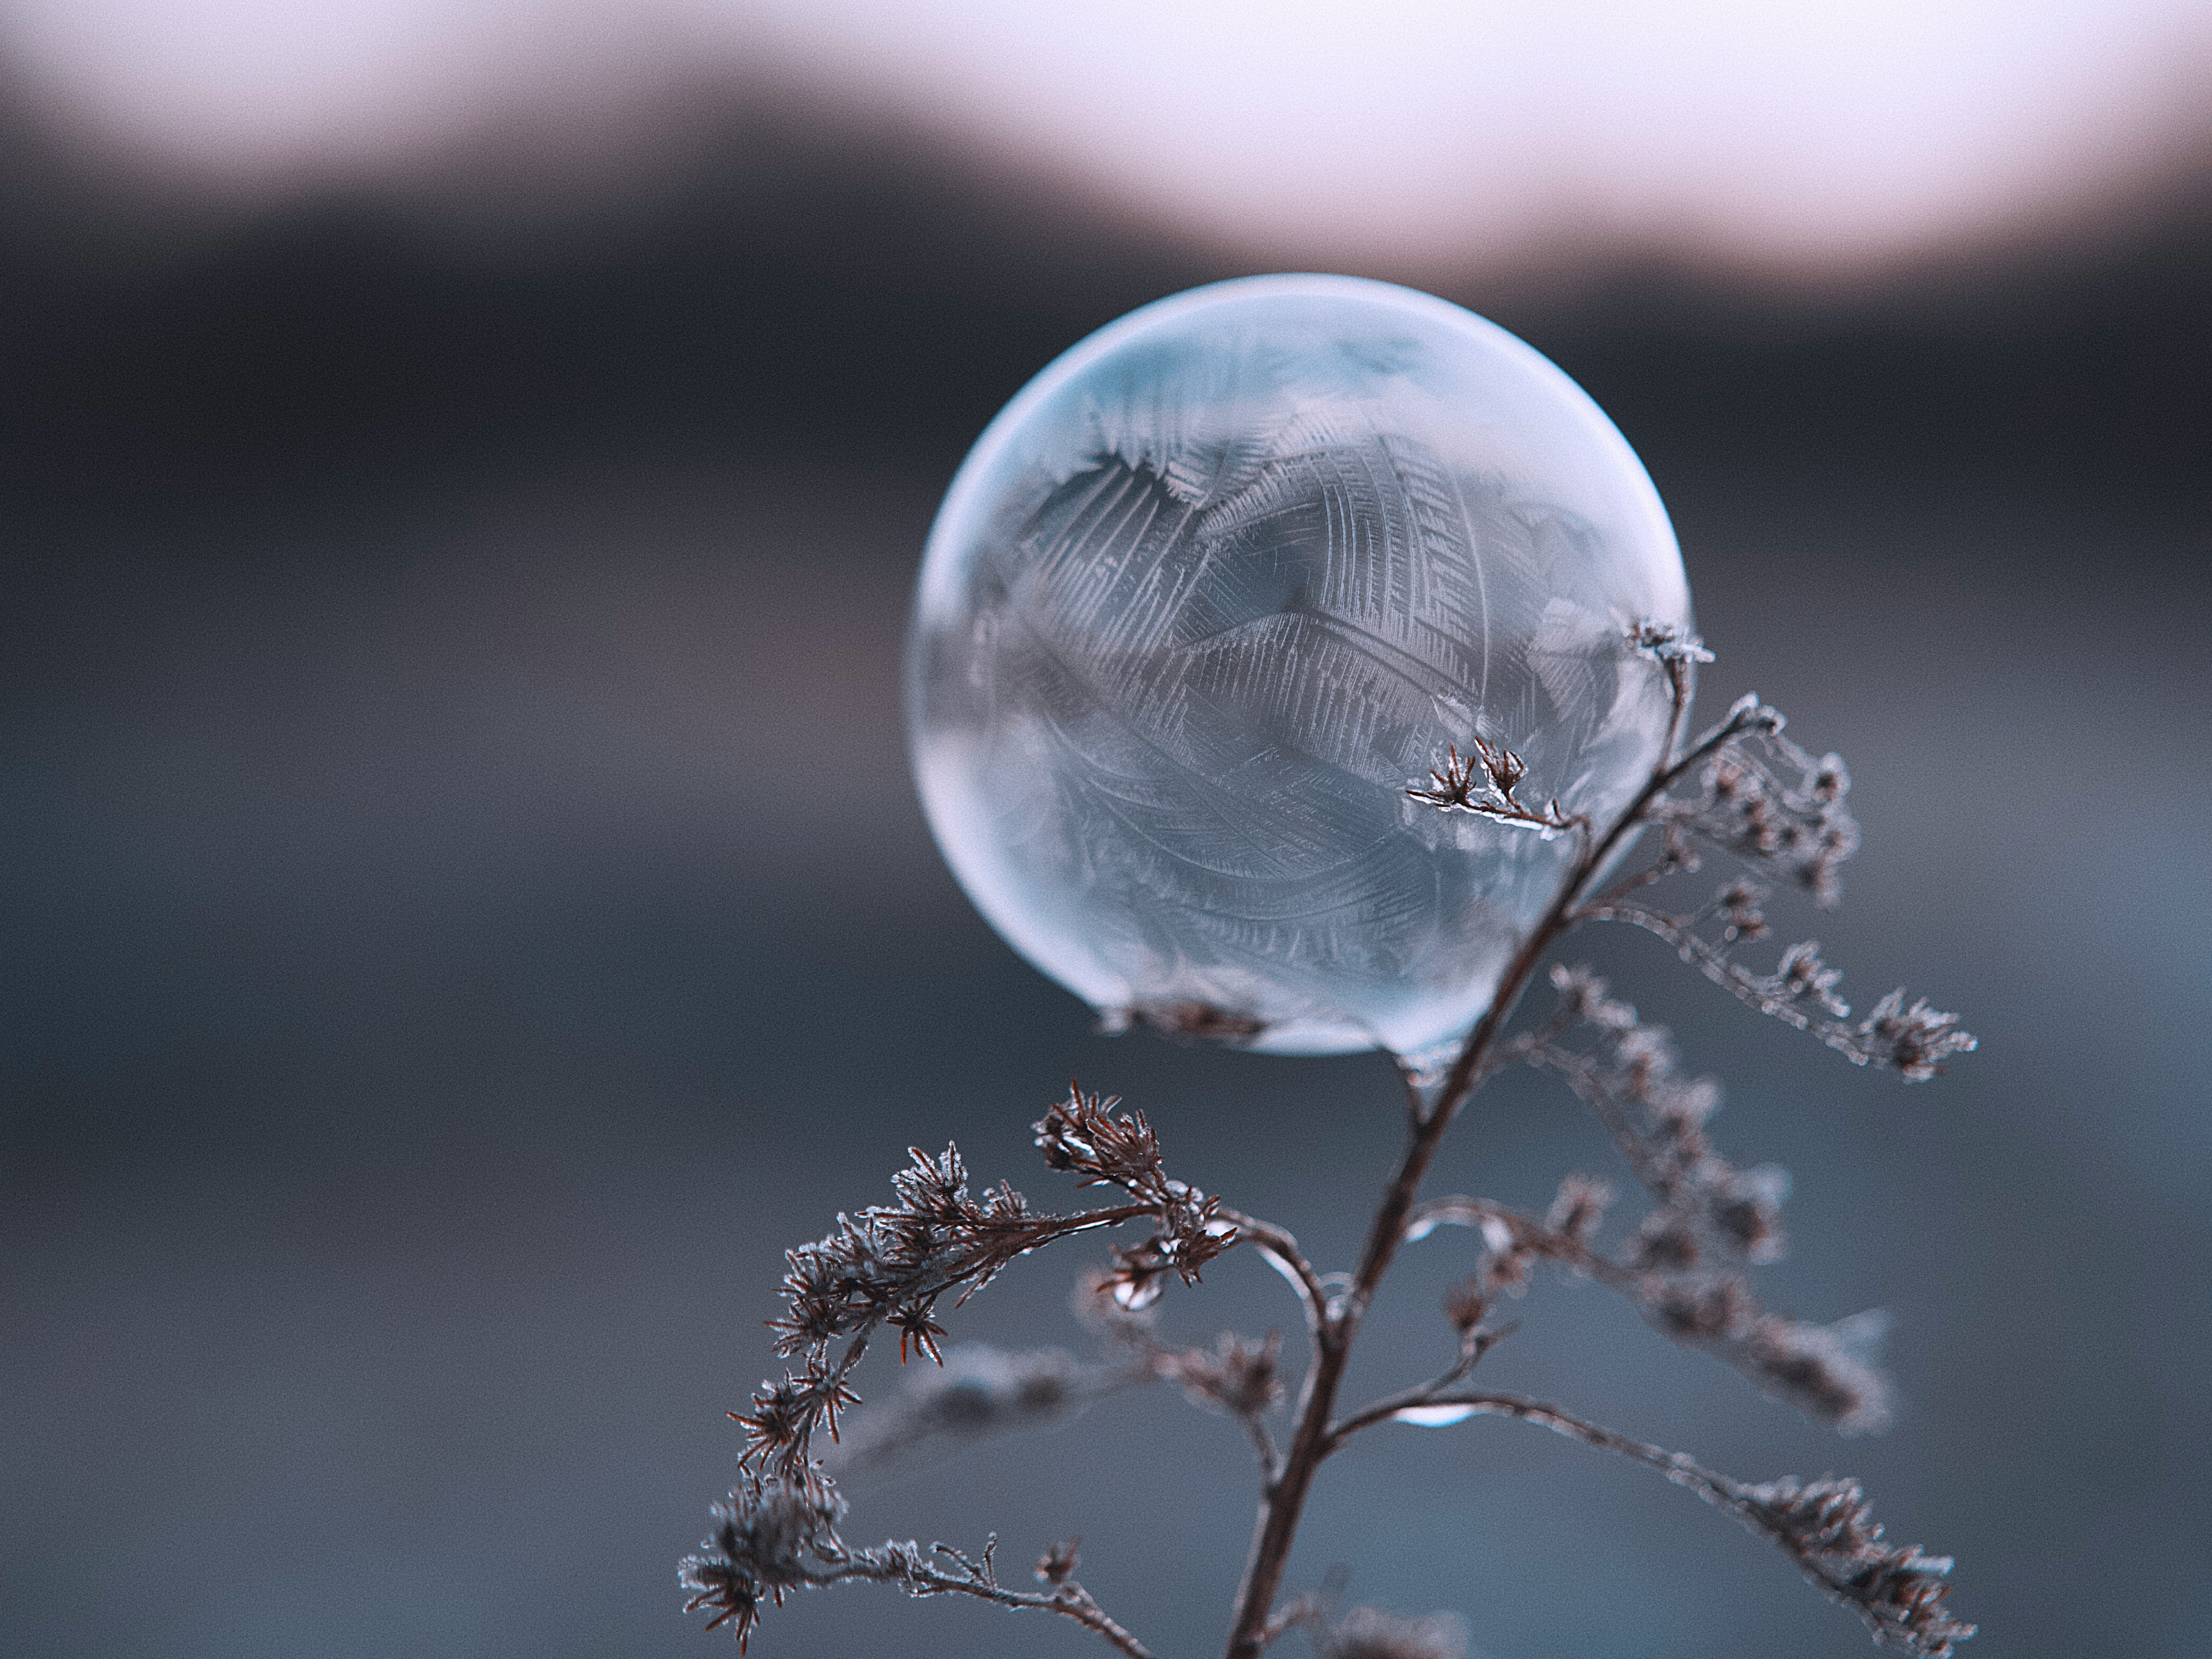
x=898 y=1563
x=1580 y=1075
x=1526 y=1231
x=1715 y=963
x=1305 y=1610
x=1800 y=994
x=1263 y=1447
x=1896 y=1591
x=1436 y=1392
x=1282 y=1254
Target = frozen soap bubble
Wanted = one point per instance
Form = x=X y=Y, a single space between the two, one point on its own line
x=1215 y=590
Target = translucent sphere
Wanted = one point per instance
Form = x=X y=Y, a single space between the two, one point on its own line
x=1216 y=590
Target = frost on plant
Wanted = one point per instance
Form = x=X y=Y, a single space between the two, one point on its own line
x=1685 y=1255
x=1294 y=666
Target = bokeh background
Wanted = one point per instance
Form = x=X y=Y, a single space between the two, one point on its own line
x=463 y=910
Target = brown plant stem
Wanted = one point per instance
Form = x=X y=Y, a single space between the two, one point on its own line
x=1282 y=1502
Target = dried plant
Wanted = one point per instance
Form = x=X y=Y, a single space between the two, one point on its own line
x=1483 y=784
x=1742 y=789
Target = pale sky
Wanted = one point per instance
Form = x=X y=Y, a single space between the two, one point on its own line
x=1779 y=133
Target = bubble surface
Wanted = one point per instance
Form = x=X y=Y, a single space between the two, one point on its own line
x=1215 y=590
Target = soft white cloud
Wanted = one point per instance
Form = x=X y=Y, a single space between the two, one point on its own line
x=1796 y=135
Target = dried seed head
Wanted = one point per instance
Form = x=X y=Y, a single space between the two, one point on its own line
x=1713 y=1311
x=1579 y=1210
x=1465 y=1304
x=1506 y=1271
x=763 y=1533
x=1824 y=1370
x=1665 y=1241
x=1827 y=1525
x=1057 y=1564
x=1372 y=1634
x=1236 y=1376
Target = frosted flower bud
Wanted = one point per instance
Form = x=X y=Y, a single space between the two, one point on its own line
x=1220 y=586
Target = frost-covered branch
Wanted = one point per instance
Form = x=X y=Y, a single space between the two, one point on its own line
x=891 y=1264
x=1824 y=1526
x=1465 y=1305
x=771 y=1538
x=1913 y=1041
x=1770 y=804
x=1684 y=1263
x=1085 y=1135
x=1239 y=1376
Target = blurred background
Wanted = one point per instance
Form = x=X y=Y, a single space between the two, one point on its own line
x=463 y=910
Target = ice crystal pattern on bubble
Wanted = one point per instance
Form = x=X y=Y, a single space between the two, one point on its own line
x=1218 y=601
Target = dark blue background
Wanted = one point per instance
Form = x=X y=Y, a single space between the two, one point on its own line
x=463 y=912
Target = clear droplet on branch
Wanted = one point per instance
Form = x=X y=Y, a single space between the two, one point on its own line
x=1217 y=591
x=1432 y=1417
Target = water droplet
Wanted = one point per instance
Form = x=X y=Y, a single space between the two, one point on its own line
x=1218 y=587
x=1426 y=1067
x=1433 y=1417
x=1138 y=1294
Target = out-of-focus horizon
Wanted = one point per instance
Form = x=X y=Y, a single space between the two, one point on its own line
x=1815 y=148
x=463 y=912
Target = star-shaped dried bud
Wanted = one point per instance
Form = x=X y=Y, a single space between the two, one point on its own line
x=1505 y=769
x=1746 y=1207
x=1666 y=1240
x=781 y=1416
x=1818 y=1368
x=1138 y=1274
x=1465 y=1305
x=1240 y=1377
x=764 y=1531
x=1583 y=1000
x=1483 y=783
x=1802 y=977
x=1737 y=906
x=1716 y=1310
x=1084 y=1135
x=1057 y=1564
x=917 y=1328
x=933 y=1188
x=1916 y=1041
x=1453 y=784
x=1506 y=1271
x=1579 y=1210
